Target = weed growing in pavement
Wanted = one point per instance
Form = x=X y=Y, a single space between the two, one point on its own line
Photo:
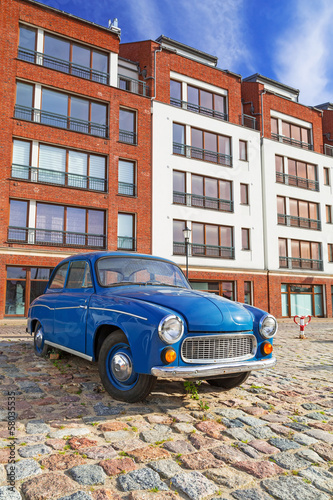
x=192 y=389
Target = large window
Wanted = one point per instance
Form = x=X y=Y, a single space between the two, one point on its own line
x=300 y=174
x=206 y=103
x=126 y=232
x=224 y=288
x=126 y=178
x=212 y=241
x=179 y=139
x=24 y=101
x=210 y=147
x=23 y=285
x=302 y=300
x=304 y=254
x=303 y=214
x=127 y=126
x=293 y=134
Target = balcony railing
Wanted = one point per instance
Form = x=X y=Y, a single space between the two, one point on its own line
x=60 y=121
x=126 y=189
x=199 y=250
x=195 y=200
x=126 y=243
x=301 y=182
x=128 y=137
x=198 y=109
x=51 y=237
x=292 y=142
x=131 y=85
x=291 y=220
x=249 y=121
x=63 y=65
x=328 y=150
x=202 y=154
x=44 y=176
x=298 y=263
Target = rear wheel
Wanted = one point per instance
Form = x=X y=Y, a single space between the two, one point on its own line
x=117 y=372
x=40 y=348
x=226 y=384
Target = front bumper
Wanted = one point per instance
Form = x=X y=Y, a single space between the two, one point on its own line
x=216 y=370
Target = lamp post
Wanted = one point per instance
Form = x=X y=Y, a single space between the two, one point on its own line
x=187 y=234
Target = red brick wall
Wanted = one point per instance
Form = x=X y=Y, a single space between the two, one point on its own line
x=328 y=126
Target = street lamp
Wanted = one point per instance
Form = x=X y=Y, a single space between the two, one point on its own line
x=187 y=234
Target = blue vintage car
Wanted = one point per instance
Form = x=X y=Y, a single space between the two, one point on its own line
x=138 y=317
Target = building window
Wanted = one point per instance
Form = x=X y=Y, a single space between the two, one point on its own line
x=27 y=44
x=274 y=126
x=206 y=286
x=211 y=193
x=302 y=300
x=243 y=150
x=306 y=255
x=279 y=169
x=178 y=237
x=175 y=93
x=126 y=178
x=248 y=292
x=210 y=147
x=206 y=103
x=21 y=159
x=127 y=126
x=24 y=101
x=24 y=285
x=244 y=194
x=228 y=290
x=329 y=214
x=179 y=187
x=210 y=240
x=179 y=139
x=303 y=214
x=300 y=174
x=330 y=252
x=326 y=176
x=18 y=220
x=126 y=232
x=283 y=252
x=292 y=134
x=245 y=239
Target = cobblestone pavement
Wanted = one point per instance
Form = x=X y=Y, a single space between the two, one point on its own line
x=271 y=438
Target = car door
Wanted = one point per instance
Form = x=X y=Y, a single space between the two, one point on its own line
x=71 y=307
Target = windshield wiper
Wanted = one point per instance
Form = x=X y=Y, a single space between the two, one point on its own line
x=144 y=283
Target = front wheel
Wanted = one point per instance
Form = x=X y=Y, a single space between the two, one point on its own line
x=226 y=384
x=40 y=348
x=117 y=372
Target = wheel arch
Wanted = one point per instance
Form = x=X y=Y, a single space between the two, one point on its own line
x=101 y=334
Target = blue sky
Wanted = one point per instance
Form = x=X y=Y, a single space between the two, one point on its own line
x=286 y=40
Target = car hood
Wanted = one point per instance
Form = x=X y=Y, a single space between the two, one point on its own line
x=203 y=312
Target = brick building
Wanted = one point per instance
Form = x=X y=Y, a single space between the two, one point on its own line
x=121 y=146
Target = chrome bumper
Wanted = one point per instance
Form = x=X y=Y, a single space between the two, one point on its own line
x=216 y=370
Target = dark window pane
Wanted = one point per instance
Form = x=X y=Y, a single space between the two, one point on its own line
x=54 y=102
x=80 y=55
x=127 y=120
x=24 y=94
x=76 y=274
x=37 y=288
x=95 y=222
x=59 y=278
x=27 y=38
x=178 y=133
x=175 y=90
x=76 y=220
x=40 y=273
x=18 y=213
x=79 y=109
x=192 y=95
x=56 y=47
x=49 y=223
x=98 y=113
x=15 y=298
x=100 y=62
x=16 y=273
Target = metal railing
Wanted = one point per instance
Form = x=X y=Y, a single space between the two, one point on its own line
x=249 y=121
x=60 y=121
x=196 y=108
x=126 y=189
x=202 y=154
x=45 y=176
x=132 y=85
x=63 y=65
x=199 y=250
x=298 y=263
x=328 y=150
x=302 y=222
x=292 y=142
x=128 y=137
x=126 y=243
x=301 y=182
x=51 y=237
x=198 y=201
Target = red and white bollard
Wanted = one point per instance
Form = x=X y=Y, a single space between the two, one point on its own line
x=302 y=324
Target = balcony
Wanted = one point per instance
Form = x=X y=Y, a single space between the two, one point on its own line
x=198 y=201
x=328 y=150
x=291 y=220
x=44 y=176
x=126 y=243
x=292 y=142
x=199 y=250
x=63 y=65
x=249 y=122
x=301 y=182
x=50 y=237
x=135 y=86
x=128 y=137
x=198 y=109
x=60 y=121
x=126 y=189
x=298 y=263
x=202 y=154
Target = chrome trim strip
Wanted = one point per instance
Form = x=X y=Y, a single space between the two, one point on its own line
x=115 y=310
x=67 y=349
x=217 y=337
x=202 y=371
x=42 y=305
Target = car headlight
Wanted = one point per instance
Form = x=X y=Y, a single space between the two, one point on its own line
x=268 y=327
x=170 y=329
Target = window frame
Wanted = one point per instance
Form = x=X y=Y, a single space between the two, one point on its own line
x=245 y=143
x=245 y=232
x=134 y=134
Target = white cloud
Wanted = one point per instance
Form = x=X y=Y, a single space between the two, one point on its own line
x=303 y=57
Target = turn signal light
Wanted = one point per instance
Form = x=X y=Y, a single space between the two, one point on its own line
x=168 y=355
x=266 y=348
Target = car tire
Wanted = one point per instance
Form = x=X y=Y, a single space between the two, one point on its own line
x=226 y=384
x=41 y=349
x=115 y=366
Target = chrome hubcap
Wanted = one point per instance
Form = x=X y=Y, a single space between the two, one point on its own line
x=121 y=367
x=39 y=339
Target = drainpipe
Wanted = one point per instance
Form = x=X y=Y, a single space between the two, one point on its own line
x=154 y=77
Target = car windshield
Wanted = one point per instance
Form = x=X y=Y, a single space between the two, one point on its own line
x=117 y=271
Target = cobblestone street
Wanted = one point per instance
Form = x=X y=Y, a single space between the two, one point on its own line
x=271 y=438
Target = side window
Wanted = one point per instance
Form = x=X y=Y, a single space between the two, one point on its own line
x=79 y=275
x=59 y=278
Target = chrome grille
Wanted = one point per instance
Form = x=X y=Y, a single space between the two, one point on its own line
x=215 y=348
